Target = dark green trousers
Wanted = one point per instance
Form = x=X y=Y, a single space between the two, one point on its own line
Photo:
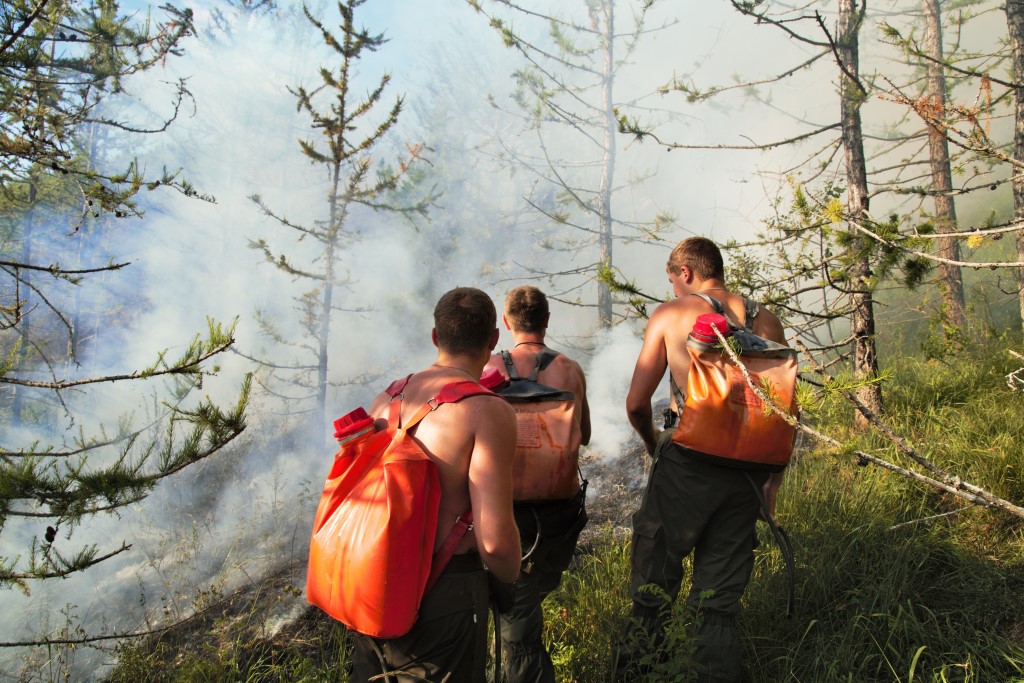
x=559 y=523
x=711 y=511
x=448 y=642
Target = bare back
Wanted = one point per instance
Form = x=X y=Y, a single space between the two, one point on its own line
x=684 y=315
x=472 y=443
x=561 y=373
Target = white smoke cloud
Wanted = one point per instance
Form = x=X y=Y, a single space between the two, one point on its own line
x=608 y=376
x=244 y=509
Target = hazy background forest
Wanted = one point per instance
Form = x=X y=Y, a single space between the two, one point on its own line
x=517 y=154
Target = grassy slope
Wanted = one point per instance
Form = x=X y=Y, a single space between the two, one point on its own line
x=886 y=590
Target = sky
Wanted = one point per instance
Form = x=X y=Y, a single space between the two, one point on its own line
x=236 y=515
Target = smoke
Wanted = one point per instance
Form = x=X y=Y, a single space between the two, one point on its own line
x=225 y=520
x=608 y=380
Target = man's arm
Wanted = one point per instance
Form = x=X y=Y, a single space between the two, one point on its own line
x=771 y=490
x=584 y=408
x=647 y=375
x=490 y=487
x=770 y=327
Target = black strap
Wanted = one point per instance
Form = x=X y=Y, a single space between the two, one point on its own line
x=510 y=367
x=543 y=358
x=750 y=310
x=750 y=307
x=680 y=399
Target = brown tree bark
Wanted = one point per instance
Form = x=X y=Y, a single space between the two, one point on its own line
x=950 y=278
x=1015 y=28
x=852 y=95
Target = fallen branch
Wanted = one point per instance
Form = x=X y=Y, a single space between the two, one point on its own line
x=1015 y=380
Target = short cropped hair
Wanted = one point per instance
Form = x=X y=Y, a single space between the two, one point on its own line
x=700 y=255
x=464 y=320
x=526 y=309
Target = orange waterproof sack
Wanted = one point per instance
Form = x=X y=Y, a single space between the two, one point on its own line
x=371 y=554
x=723 y=419
x=546 y=465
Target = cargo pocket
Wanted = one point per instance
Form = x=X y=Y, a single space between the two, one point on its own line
x=648 y=558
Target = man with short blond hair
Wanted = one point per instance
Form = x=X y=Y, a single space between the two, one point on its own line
x=692 y=503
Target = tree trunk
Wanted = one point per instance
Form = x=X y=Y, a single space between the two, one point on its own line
x=862 y=322
x=1015 y=28
x=950 y=278
x=24 y=301
x=611 y=127
x=336 y=220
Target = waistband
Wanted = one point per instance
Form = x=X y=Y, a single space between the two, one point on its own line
x=466 y=562
x=579 y=497
x=681 y=455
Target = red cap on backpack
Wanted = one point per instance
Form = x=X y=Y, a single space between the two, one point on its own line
x=702 y=329
x=492 y=379
x=351 y=424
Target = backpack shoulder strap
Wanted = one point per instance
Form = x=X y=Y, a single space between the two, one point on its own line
x=398 y=386
x=456 y=391
x=463 y=524
x=510 y=367
x=714 y=303
x=544 y=359
x=395 y=390
x=450 y=393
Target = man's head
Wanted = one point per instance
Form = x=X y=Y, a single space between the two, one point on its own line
x=700 y=255
x=465 y=322
x=526 y=309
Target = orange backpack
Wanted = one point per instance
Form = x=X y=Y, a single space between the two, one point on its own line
x=723 y=420
x=371 y=556
x=546 y=465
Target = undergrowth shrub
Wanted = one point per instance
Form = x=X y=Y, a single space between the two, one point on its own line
x=589 y=608
x=896 y=581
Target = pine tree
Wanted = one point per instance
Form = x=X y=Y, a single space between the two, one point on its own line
x=568 y=94
x=1015 y=24
x=60 y=61
x=355 y=180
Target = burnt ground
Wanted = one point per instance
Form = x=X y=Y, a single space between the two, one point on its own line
x=614 y=489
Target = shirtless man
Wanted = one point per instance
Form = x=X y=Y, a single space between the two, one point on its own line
x=690 y=504
x=472 y=443
x=561 y=521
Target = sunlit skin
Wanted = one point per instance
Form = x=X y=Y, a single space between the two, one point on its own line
x=562 y=373
x=472 y=442
x=664 y=348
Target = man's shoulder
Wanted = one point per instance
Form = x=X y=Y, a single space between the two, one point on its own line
x=486 y=401
x=679 y=306
x=667 y=315
x=568 y=363
x=769 y=326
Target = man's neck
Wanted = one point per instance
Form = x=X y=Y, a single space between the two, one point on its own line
x=528 y=340
x=710 y=285
x=470 y=365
